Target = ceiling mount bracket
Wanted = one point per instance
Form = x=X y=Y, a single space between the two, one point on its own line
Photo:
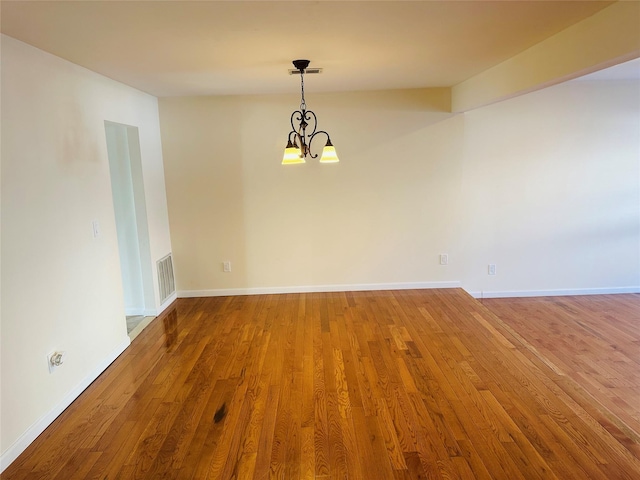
x=301 y=64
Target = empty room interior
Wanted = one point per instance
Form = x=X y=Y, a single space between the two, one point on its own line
x=414 y=255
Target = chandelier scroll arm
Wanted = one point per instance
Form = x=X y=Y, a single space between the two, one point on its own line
x=300 y=116
x=311 y=137
x=294 y=139
x=315 y=122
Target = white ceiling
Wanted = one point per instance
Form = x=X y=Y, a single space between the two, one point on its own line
x=171 y=48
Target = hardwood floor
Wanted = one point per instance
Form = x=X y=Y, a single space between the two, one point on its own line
x=594 y=342
x=362 y=385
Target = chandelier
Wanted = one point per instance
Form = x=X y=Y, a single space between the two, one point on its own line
x=299 y=141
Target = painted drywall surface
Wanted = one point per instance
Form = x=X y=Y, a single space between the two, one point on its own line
x=155 y=195
x=607 y=38
x=61 y=287
x=545 y=186
x=551 y=186
x=383 y=214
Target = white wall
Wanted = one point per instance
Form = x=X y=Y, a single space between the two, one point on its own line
x=552 y=195
x=61 y=287
x=545 y=186
x=381 y=216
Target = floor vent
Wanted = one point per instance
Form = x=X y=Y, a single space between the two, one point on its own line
x=166 y=281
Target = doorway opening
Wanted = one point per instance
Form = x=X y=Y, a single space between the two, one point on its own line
x=127 y=187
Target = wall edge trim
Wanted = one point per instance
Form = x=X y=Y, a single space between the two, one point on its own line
x=20 y=445
x=228 y=292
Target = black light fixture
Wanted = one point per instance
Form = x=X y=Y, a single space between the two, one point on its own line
x=299 y=141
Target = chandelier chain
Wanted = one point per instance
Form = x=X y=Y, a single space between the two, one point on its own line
x=303 y=104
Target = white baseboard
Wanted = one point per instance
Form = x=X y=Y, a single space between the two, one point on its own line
x=553 y=293
x=152 y=312
x=172 y=298
x=37 y=428
x=229 y=292
x=144 y=312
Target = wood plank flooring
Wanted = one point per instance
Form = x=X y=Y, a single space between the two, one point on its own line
x=594 y=342
x=361 y=385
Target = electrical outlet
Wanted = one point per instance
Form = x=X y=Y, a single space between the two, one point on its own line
x=226 y=266
x=444 y=259
x=55 y=360
x=492 y=269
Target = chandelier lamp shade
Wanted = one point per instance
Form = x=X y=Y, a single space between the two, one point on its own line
x=303 y=131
